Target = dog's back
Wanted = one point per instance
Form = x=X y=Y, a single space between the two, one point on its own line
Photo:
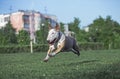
x=70 y=42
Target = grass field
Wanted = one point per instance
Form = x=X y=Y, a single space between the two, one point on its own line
x=102 y=64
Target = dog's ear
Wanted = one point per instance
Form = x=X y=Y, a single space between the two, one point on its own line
x=57 y=27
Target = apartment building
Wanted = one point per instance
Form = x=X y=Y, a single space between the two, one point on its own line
x=26 y=20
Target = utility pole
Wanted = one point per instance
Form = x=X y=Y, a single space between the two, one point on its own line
x=10 y=9
x=45 y=9
x=10 y=12
x=66 y=28
x=32 y=31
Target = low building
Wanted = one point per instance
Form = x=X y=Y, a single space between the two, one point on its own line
x=4 y=19
x=86 y=29
x=67 y=32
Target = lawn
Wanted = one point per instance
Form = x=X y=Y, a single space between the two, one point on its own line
x=99 y=64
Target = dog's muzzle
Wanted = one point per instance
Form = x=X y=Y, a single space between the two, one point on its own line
x=52 y=42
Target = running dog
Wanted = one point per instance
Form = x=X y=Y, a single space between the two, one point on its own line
x=59 y=42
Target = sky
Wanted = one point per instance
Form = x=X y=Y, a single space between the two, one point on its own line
x=66 y=10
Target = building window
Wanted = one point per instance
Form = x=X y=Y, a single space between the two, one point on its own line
x=6 y=19
x=52 y=22
x=26 y=18
x=0 y=20
x=26 y=25
x=26 y=21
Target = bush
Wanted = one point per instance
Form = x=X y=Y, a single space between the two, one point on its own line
x=44 y=47
x=23 y=48
x=90 y=46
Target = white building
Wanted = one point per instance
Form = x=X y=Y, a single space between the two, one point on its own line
x=67 y=32
x=86 y=29
x=4 y=18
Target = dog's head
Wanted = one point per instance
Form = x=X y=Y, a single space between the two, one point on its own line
x=53 y=34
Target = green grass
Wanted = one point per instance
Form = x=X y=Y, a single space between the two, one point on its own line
x=104 y=64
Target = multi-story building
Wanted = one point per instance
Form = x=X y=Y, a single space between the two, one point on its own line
x=26 y=20
x=4 y=18
x=51 y=18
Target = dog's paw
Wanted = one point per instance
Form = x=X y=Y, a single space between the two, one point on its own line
x=52 y=54
x=45 y=60
x=78 y=54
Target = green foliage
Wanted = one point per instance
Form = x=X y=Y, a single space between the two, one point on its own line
x=39 y=37
x=41 y=34
x=62 y=27
x=44 y=47
x=74 y=26
x=80 y=35
x=91 y=46
x=23 y=48
x=8 y=35
x=106 y=31
x=102 y=64
x=23 y=38
x=103 y=30
x=2 y=37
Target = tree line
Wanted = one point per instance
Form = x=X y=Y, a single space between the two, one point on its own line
x=104 y=30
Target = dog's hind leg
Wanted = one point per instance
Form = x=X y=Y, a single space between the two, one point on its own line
x=75 y=51
x=76 y=48
x=78 y=52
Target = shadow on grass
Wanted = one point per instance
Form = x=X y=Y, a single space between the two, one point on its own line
x=104 y=72
x=77 y=63
x=82 y=62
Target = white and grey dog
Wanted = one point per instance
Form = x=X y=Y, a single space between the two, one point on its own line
x=59 y=42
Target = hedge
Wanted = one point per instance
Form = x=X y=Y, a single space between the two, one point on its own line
x=91 y=46
x=23 y=48
x=44 y=47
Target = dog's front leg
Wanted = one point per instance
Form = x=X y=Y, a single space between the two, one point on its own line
x=47 y=56
x=59 y=48
x=51 y=48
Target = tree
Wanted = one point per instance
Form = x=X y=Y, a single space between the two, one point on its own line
x=104 y=30
x=74 y=26
x=2 y=37
x=39 y=37
x=41 y=34
x=23 y=38
x=8 y=35
x=62 y=26
x=80 y=35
